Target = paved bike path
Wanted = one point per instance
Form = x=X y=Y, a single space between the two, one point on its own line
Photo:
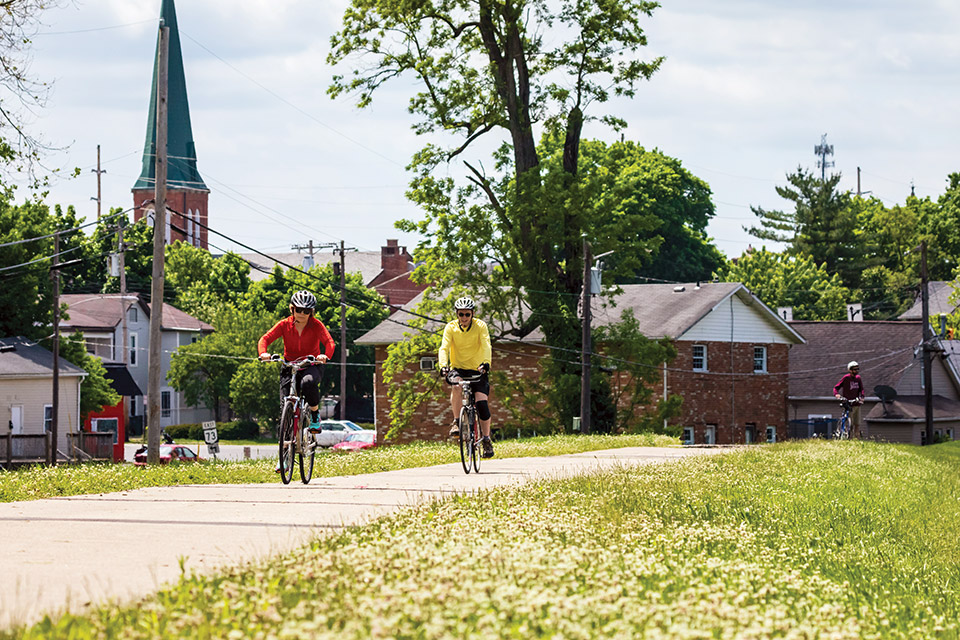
x=66 y=553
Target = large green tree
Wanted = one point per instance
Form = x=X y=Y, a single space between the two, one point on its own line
x=797 y=281
x=822 y=224
x=504 y=67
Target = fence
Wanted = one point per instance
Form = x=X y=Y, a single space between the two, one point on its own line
x=812 y=428
x=35 y=448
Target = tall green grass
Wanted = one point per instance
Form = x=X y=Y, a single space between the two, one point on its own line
x=807 y=540
x=67 y=480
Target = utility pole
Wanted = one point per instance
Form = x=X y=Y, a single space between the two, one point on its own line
x=859 y=192
x=927 y=347
x=55 y=409
x=123 y=293
x=343 y=336
x=309 y=247
x=586 y=347
x=159 y=228
x=98 y=171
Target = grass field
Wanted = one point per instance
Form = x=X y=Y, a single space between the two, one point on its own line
x=67 y=480
x=798 y=540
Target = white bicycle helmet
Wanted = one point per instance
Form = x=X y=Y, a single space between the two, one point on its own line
x=303 y=299
x=464 y=303
x=852 y=364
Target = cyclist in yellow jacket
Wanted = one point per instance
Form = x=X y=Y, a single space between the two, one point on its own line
x=465 y=347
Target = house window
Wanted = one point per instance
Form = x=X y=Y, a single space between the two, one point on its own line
x=759 y=359
x=48 y=417
x=699 y=357
x=106 y=425
x=164 y=404
x=687 y=437
x=428 y=363
x=133 y=314
x=710 y=434
x=100 y=346
x=133 y=349
x=771 y=434
x=750 y=433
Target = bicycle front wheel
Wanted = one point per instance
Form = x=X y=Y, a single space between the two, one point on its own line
x=307 y=448
x=466 y=440
x=287 y=443
x=475 y=453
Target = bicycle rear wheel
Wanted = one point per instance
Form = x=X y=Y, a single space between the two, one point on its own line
x=475 y=452
x=287 y=444
x=307 y=448
x=466 y=440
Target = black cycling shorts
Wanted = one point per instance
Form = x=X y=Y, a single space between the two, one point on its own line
x=479 y=386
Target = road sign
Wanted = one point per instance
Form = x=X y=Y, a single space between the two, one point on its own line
x=211 y=438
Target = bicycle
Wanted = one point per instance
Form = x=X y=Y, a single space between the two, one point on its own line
x=469 y=424
x=843 y=427
x=293 y=436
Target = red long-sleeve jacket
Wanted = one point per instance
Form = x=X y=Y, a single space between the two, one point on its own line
x=296 y=345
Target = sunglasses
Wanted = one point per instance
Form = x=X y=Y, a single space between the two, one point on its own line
x=464 y=314
x=302 y=310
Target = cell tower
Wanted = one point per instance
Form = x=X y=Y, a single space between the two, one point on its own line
x=823 y=150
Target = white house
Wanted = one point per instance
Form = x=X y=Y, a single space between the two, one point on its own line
x=98 y=316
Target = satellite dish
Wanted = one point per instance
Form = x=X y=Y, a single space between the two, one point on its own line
x=886 y=395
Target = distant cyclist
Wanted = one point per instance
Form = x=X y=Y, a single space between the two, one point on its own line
x=465 y=347
x=850 y=388
x=303 y=335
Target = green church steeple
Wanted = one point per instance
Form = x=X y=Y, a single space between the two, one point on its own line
x=182 y=170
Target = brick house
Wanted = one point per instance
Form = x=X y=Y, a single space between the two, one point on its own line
x=888 y=354
x=731 y=367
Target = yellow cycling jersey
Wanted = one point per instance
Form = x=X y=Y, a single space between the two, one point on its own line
x=465 y=348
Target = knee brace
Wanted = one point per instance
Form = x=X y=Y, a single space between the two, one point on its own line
x=483 y=410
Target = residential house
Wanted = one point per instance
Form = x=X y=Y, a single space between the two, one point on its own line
x=387 y=272
x=938 y=303
x=731 y=367
x=99 y=317
x=26 y=395
x=889 y=355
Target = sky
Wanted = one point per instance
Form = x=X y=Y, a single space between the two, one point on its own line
x=746 y=92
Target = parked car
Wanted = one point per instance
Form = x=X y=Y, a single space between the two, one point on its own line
x=328 y=407
x=335 y=431
x=358 y=440
x=168 y=453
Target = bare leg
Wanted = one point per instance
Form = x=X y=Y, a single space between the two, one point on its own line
x=456 y=400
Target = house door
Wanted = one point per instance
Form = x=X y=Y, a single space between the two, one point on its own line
x=16 y=419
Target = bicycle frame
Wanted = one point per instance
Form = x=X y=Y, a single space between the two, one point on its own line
x=292 y=441
x=470 y=435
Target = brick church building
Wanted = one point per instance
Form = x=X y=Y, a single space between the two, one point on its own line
x=186 y=192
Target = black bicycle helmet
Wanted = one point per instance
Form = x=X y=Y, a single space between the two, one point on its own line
x=304 y=300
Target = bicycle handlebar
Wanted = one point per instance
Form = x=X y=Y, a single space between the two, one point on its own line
x=455 y=378
x=306 y=361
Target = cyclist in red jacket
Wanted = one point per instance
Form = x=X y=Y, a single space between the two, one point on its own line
x=303 y=335
x=850 y=388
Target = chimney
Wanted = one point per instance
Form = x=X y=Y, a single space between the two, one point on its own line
x=394 y=259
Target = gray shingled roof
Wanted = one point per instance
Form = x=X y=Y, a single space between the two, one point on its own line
x=661 y=309
x=884 y=350
x=913 y=409
x=366 y=262
x=28 y=359
x=940 y=293
x=101 y=312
